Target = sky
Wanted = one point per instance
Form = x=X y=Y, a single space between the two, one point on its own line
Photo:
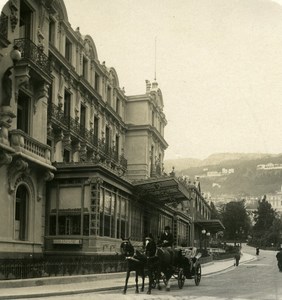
x=217 y=62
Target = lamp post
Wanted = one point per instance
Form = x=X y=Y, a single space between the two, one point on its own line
x=203 y=233
x=208 y=234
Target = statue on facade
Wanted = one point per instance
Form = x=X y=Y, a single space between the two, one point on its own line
x=7 y=87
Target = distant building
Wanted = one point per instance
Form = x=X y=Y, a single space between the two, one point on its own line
x=269 y=166
x=275 y=199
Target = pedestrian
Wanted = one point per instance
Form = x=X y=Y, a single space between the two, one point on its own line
x=237 y=257
x=279 y=259
x=257 y=251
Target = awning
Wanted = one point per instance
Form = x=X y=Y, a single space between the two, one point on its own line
x=212 y=226
x=163 y=190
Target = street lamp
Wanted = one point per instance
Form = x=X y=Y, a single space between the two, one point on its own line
x=15 y=54
x=202 y=237
x=208 y=234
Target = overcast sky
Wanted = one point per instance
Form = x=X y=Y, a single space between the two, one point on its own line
x=218 y=64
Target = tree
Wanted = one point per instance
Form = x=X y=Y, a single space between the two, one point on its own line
x=236 y=220
x=267 y=224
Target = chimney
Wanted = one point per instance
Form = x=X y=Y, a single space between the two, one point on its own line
x=148 y=86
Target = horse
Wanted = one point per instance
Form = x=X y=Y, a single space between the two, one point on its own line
x=136 y=261
x=163 y=265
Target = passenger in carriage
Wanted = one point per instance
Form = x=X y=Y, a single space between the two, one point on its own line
x=189 y=255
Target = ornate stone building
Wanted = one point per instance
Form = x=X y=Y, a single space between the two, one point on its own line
x=81 y=163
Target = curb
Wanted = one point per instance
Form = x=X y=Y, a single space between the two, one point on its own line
x=102 y=289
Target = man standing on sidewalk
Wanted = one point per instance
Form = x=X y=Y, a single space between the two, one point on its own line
x=237 y=257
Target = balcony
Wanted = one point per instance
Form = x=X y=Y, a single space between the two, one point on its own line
x=104 y=153
x=4 y=42
x=30 y=148
x=67 y=123
x=34 y=55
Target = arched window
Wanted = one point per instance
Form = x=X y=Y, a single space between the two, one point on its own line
x=21 y=208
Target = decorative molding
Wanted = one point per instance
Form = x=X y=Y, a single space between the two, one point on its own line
x=5 y=158
x=47 y=176
x=14 y=14
x=41 y=93
x=16 y=172
x=21 y=77
x=95 y=180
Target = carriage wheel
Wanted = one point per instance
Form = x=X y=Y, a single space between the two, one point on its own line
x=198 y=274
x=181 y=278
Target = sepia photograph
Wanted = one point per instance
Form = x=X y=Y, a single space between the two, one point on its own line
x=141 y=149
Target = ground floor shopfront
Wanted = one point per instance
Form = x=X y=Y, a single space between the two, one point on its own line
x=90 y=209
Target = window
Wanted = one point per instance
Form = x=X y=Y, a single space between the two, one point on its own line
x=136 y=221
x=153 y=118
x=25 y=20
x=21 y=213
x=122 y=219
x=68 y=50
x=67 y=103
x=85 y=67
x=69 y=224
x=107 y=207
x=52 y=32
x=97 y=78
x=23 y=112
x=117 y=145
x=66 y=156
x=109 y=94
x=96 y=131
x=107 y=139
x=82 y=118
x=118 y=106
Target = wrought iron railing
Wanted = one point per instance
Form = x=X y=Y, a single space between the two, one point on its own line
x=34 y=54
x=4 y=26
x=57 y=113
x=60 y=266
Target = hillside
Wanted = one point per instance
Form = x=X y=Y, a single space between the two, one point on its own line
x=246 y=179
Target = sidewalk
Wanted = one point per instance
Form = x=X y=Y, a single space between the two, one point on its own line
x=32 y=288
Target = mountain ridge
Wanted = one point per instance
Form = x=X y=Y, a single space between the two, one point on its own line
x=216 y=158
x=245 y=179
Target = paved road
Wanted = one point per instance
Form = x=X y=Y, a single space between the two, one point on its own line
x=259 y=279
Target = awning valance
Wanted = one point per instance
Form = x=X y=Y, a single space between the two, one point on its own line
x=163 y=190
x=212 y=226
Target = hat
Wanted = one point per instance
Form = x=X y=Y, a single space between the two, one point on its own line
x=167 y=228
x=149 y=237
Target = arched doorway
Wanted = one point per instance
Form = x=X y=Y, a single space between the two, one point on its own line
x=21 y=213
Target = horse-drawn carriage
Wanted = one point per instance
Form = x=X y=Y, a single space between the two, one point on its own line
x=188 y=267
x=162 y=264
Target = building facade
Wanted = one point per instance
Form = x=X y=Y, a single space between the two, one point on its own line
x=75 y=151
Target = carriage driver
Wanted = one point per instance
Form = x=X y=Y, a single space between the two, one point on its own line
x=166 y=239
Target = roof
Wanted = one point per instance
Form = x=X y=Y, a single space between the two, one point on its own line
x=210 y=225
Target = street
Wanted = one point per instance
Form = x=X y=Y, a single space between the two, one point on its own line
x=259 y=279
